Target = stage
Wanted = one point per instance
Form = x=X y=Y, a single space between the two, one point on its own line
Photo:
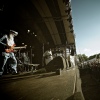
x=43 y=86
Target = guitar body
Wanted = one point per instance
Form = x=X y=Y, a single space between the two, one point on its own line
x=10 y=49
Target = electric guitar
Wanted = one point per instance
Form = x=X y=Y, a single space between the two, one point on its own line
x=12 y=48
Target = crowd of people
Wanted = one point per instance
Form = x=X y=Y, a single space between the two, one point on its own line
x=93 y=68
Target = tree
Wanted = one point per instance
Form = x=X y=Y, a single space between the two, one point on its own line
x=82 y=57
x=94 y=56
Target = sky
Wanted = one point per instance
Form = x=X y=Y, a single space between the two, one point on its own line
x=86 y=25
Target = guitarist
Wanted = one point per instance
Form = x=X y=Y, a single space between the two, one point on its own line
x=7 y=42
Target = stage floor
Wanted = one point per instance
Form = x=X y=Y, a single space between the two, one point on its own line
x=44 y=86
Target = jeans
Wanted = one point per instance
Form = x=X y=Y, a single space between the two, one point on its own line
x=13 y=62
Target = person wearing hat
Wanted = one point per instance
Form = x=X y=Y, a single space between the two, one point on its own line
x=6 y=52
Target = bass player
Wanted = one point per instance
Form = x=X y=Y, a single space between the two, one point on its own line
x=6 y=52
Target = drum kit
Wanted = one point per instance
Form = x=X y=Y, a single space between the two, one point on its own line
x=20 y=56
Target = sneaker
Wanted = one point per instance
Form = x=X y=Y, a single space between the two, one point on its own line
x=14 y=73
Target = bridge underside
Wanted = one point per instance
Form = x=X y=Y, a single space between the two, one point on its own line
x=48 y=21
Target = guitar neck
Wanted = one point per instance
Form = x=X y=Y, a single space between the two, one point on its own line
x=19 y=47
x=13 y=46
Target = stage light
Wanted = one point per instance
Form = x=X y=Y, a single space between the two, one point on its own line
x=28 y=31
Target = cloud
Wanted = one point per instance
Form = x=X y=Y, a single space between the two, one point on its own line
x=86 y=50
x=90 y=52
